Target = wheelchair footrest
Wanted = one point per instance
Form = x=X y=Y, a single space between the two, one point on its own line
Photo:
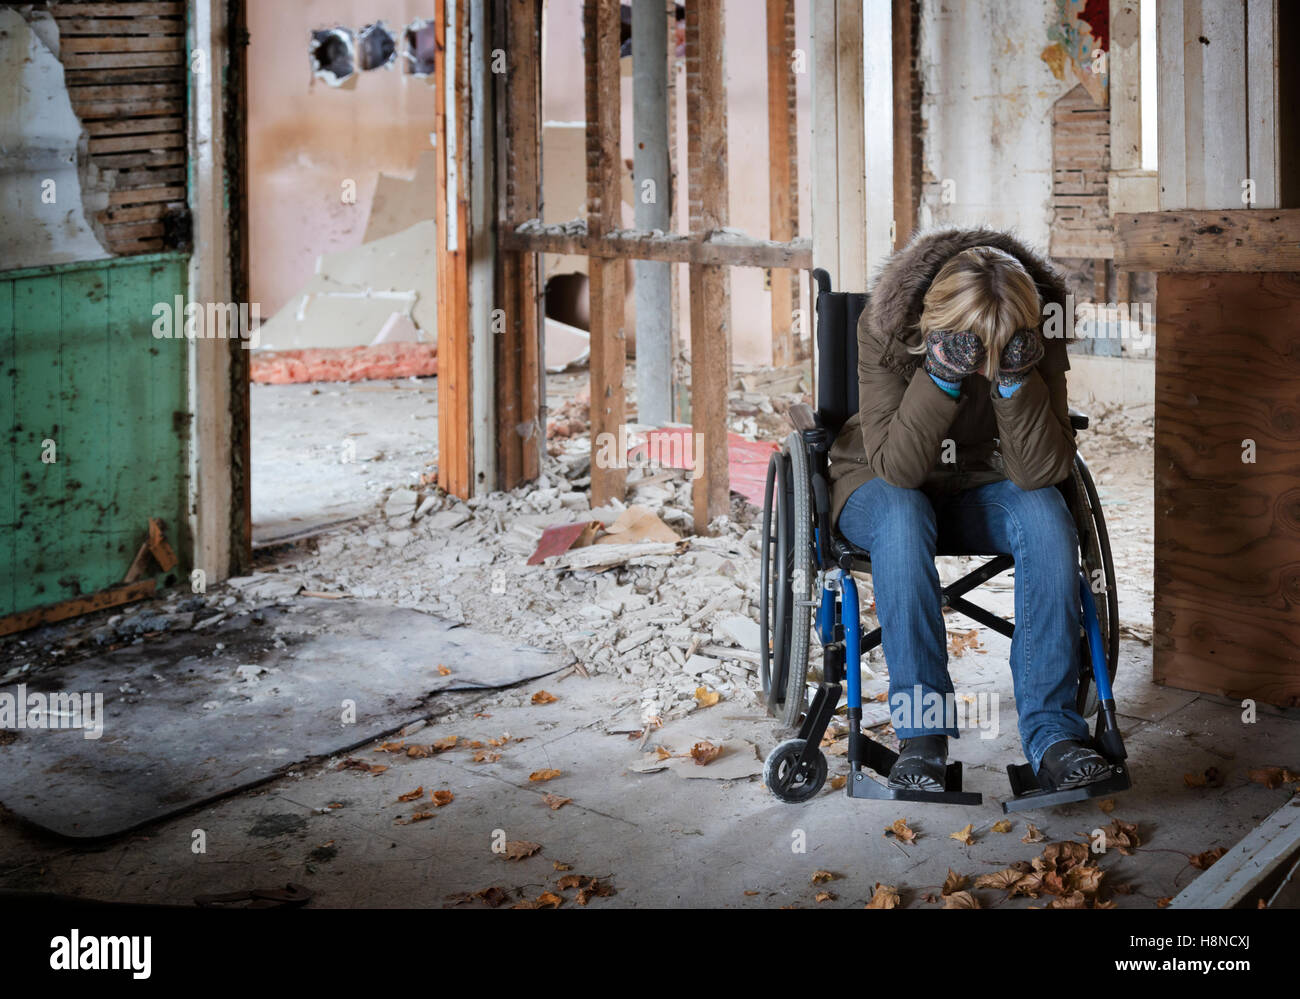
x=862 y=786
x=1029 y=793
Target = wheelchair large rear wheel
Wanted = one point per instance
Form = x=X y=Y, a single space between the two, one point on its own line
x=786 y=580
x=1099 y=568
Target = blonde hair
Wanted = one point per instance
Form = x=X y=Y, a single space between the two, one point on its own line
x=984 y=290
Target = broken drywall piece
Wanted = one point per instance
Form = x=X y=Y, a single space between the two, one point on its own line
x=333 y=55
x=741 y=630
x=636 y=525
x=353 y=294
x=399 y=203
x=566 y=346
x=398 y=329
x=40 y=149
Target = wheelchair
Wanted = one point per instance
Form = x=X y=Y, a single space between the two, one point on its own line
x=807 y=590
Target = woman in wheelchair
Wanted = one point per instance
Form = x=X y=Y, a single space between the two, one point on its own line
x=961 y=436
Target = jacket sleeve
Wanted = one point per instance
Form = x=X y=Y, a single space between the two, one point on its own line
x=904 y=421
x=1034 y=426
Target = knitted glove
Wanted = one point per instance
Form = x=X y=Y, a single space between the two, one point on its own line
x=1022 y=352
x=952 y=355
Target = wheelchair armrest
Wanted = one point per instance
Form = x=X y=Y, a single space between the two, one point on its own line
x=1078 y=419
x=802 y=417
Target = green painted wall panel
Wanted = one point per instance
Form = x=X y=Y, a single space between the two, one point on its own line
x=83 y=369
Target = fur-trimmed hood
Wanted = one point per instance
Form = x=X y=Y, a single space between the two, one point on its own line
x=903 y=279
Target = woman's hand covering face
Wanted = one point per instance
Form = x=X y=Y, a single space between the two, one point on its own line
x=1022 y=352
x=951 y=355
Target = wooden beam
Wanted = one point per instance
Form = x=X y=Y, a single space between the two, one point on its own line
x=604 y=203
x=907 y=118
x=783 y=172
x=710 y=298
x=520 y=376
x=113 y=597
x=729 y=250
x=451 y=211
x=1241 y=240
x=1249 y=872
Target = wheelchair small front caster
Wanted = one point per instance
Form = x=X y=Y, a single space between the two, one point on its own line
x=789 y=781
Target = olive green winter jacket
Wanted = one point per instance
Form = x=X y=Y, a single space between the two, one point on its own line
x=904 y=418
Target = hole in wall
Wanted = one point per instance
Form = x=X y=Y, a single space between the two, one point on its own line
x=333 y=55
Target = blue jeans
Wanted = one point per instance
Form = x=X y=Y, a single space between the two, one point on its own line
x=901 y=528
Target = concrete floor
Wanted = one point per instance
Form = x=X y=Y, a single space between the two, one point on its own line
x=661 y=839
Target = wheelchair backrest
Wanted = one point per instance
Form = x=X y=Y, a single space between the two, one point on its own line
x=837 y=352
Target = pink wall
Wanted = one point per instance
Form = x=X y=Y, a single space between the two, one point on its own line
x=305 y=138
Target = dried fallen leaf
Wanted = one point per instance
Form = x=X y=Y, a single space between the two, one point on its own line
x=546 y=900
x=1003 y=826
x=663 y=753
x=555 y=801
x=706 y=698
x=961 y=900
x=1003 y=880
x=519 y=849
x=441 y=798
x=412 y=795
x=885 y=897
x=751 y=893
x=1163 y=902
x=486 y=756
x=449 y=742
x=838 y=781
x=444 y=671
x=494 y=896
x=416 y=817
x=1122 y=836
x=960 y=641
x=595 y=888
x=1107 y=805
x=704 y=753
x=1074 y=900
x=900 y=829
x=569 y=881
x=1033 y=835
x=351 y=763
x=1206 y=860
x=825 y=896
x=561 y=867
x=390 y=747
x=954 y=882
x=541 y=775
x=544 y=697
x=1272 y=777
x=821 y=877
x=963 y=835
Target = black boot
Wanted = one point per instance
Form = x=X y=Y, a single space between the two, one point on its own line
x=1069 y=764
x=922 y=764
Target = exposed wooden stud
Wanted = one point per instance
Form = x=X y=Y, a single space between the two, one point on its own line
x=455 y=472
x=520 y=375
x=710 y=299
x=907 y=118
x=606 y=288
x=783 y=172
x=851 y=146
